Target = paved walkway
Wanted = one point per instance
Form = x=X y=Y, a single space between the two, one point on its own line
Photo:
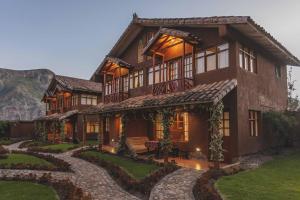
x=96 y=181
x=89 y=177
x=176 y=186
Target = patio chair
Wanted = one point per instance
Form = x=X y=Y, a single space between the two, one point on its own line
x=137 y=144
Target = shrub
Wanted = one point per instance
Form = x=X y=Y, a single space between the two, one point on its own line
x=4 y=126
x=65 y=189
x=204 y=188
x=59 y=165
x=3 y=152
x=279 y=125
x=143 y=186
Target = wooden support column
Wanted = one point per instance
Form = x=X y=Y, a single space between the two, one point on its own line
x=100 y=134
x=104 y=87
x=84 y=131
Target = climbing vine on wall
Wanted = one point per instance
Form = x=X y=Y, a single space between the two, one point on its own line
x=122 y=142
x=61 y=125
x=216 y=140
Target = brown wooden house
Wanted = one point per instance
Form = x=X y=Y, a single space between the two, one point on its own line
x=64 y=98
x=184 y=62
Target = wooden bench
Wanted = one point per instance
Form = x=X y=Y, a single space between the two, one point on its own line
x=137 y=144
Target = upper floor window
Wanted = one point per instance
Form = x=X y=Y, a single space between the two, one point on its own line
x=137 y=79
x=88 y=100
x=277 y=71
x=212 y=58
x=173 y=68
x=74 y=100
x=108 y=88
x=125 y=82
x=47 y=106
x=247 y=59
x=188 y=66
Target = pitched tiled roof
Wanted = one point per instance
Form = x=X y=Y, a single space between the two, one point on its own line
x=76 y=84
x=205 y=93
x=57 y=116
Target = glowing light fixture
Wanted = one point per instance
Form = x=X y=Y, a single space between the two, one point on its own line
x=198 y=149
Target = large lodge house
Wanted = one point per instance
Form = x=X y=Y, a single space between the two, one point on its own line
x=178 y=63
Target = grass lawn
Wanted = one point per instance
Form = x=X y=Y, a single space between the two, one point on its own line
x=17 y=190
x=16 y=158
x=62 y=147
x=276 y=180
x=135 y=169
x=7 y=141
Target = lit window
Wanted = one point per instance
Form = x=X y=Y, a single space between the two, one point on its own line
x=88 y=100
x=253 y=122
x=211 y=61
x=125 y=82
x=131 y=81
x=156 y=74
x=173 y=69
x=92 y=127
x=225 y=124
x=223 y=56
x=158 y=126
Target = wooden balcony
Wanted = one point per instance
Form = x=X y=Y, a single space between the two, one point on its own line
x=116 y=97
x=172 y=86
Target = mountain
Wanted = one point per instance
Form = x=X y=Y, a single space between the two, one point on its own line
x=21 y=92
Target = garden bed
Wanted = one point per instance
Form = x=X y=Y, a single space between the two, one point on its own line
x=134 y=175
x=53 y=148
x=30 y=187
x=33 y=161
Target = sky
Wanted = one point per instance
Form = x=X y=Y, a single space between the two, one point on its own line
x=71 y=37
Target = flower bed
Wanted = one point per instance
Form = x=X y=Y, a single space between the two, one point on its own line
x=65 y=189
x=123 y=178
x=53 y=148
x=55 y=163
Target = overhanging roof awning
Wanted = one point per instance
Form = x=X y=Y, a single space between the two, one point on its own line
x=165 y=35
x=201 y=94
x=57 y=116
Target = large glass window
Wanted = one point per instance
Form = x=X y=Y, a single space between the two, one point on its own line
x=88 y=100
x=74 y=100
x=158 y=126
x=125 y=83
x=179 y=130
x=173 y=66
x=137 y=79
x=156 y=74
x=212 y=58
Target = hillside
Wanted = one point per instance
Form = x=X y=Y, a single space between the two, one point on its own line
x=21 y=93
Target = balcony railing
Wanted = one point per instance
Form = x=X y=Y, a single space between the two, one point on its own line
x=172 y=86
x=116 y=97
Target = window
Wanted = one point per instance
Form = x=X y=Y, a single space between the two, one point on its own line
x=174 y=69
x=137 y=79
x=278 y=71
x=156 y=74
x=188 y=67
x=88 y=100
x=247 y=59
x=47 y=106
x=211 y=61
x=158 y=126
x=130 y=81
x=108 y=88
x=180 y=127
x=225 y=124
x=74 y=100
x=253 y=122
x=125 y=82
x=223 y=56
x=200 y=62
x=150 y=76
x=92 y=127
x=212 y=58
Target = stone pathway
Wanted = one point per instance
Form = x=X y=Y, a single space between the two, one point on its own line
x=89 y=177
x=96 y=181
x=176 y=186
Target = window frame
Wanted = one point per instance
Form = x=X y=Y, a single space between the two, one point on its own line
x=223 y=129
x=254 y=123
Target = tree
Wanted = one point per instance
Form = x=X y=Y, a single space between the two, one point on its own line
x=293 y=99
